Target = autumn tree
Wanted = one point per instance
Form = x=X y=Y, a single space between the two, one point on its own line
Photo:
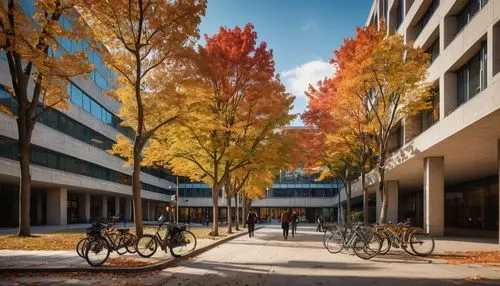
x=344 y=120
x=241 y=104
x=39 y=70
x=388 y=76
x=148 y=43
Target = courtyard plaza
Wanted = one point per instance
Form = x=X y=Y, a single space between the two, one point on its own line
x=268 y=259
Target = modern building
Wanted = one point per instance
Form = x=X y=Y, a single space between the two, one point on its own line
x=443 y=171
x=291 y=190
x=74 y=179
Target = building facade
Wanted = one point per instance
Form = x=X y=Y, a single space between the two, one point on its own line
x=443 y=170
x=74 y=179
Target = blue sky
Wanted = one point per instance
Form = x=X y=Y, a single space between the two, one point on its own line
x=302 y=33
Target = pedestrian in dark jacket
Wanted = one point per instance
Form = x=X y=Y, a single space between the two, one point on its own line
x=285 y=223
x=251 y=219
x=295 y=221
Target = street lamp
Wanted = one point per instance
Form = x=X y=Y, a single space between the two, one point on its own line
x=177 y=199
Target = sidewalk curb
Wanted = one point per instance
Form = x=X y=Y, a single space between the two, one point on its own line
x=140 y=269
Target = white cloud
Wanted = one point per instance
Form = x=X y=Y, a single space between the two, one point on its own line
x=298 y=79
x=307 y=26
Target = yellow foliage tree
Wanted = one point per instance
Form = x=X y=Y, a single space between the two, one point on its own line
x=39 y=70
x=149 y=45
x=388 y=76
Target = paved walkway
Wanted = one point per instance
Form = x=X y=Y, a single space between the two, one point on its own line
x=267 y=259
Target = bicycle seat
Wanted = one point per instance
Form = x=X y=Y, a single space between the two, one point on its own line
x=122 y=230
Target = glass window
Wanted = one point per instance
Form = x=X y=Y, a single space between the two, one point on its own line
x=5 y=99
x=51 y=160
x=100 y=81
x=86 y=102
x=95 y=109
x=3 y=55
x=76 y=95
x=39 y=157
x=6 y=149
x=462 y=86
x=474 y=72
x=400 y=13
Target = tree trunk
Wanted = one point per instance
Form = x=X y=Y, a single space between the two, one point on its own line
x=365 y=197
x=348 y=202
x=24 y=144
x=243 y=212
x=236 y=196
x=215 y=219
x=229 y=212
x=381 y=172
x=136 y=192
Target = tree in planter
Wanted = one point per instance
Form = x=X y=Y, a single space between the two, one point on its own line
x=39 y=70
x=241 y=105
x=149 y=46
x=390 y=77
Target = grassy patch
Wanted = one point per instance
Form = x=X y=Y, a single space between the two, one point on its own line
x=67 y=239
x=47 y=241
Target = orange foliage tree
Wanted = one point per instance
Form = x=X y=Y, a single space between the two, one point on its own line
x=242 y=105
x=378 y=81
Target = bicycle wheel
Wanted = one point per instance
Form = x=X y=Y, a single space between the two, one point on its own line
x=335 y=242
x=146 y=245
x=97 y=251
x=361 y=248
x=373 y=243
x=405 y=243
x=186 y=244
x=422 y=243
x=80 y=247
x=131 y=243
x=386 y=242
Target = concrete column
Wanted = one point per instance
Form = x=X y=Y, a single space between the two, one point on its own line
x=392 y=189
x=84 y=207
x=117 y=207
x=128 y=209
x=104 y=207
x=434 y=195
x=57 y=206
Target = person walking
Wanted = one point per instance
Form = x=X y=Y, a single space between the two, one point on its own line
x=285 y=223
x=295 y=221
x=251 y=219
x=320 y=226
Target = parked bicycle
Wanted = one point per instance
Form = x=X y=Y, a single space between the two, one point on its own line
x=177 y=239
x=103 y=239
x=413 y=240
x=365 y=243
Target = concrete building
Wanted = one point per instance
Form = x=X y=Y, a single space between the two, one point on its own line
x=74 y=179
x=443 y=171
